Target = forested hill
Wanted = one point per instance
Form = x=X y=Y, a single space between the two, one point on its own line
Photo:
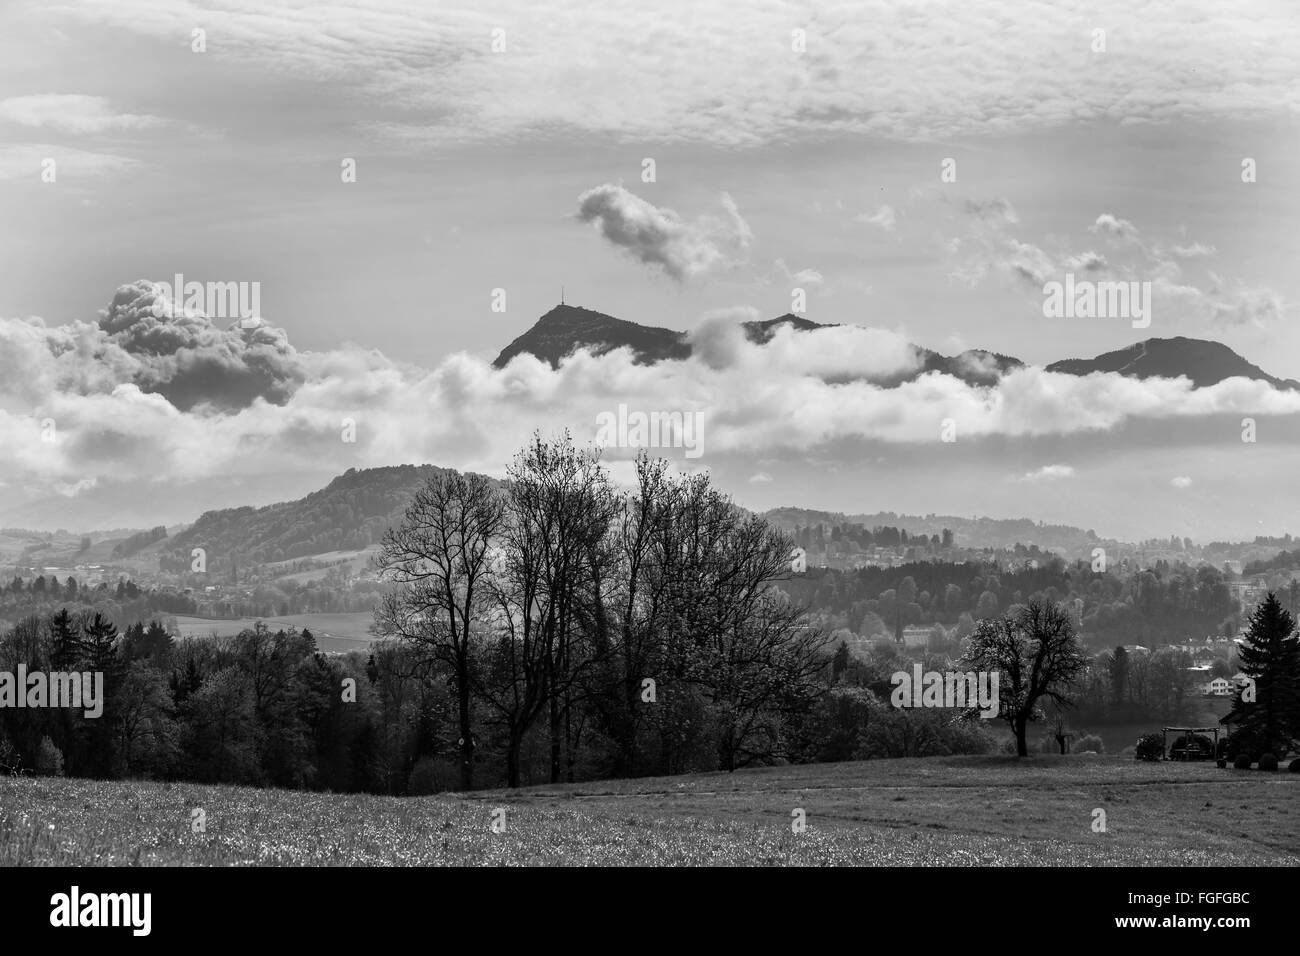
x=969 y=532
x=352 y=511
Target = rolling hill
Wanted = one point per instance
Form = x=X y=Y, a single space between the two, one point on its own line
x=351 y=512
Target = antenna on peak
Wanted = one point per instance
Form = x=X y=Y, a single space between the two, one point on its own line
x=561 y=295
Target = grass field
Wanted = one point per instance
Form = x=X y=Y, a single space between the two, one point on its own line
x=958 y=810
x=333 y=632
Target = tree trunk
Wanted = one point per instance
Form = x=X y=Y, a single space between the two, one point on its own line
x=1022 y=745
x=555 y=738
x=512 y=759
x=466 y=732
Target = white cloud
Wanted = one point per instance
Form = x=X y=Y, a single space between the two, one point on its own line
x=692 y=70
x=70 y=113
x=660 y=237
x=1114 y=227
x=805 y=391
x=1181 y=481
x=882 y=217
x=20 y=161
x=1193 y=251
x=1049 y=473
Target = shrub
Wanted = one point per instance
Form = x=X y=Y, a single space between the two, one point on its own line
x=1294 y=766
x=1089 y=742
x=1222 y=762
x=11 y=760
x=49 y=758
x=1150 y=747
x=1267 y=762
x=1242 y=762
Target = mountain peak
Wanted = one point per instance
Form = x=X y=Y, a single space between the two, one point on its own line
x=567 y=328
x=1204 y=361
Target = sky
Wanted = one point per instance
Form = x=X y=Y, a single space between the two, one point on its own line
x=918 y=170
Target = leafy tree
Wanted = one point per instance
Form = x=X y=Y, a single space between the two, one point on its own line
x=1037 y=656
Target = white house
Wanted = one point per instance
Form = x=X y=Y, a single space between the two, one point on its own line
x=1219 y=687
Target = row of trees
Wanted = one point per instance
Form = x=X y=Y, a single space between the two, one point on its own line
x=1164 y=605
x=647 y=623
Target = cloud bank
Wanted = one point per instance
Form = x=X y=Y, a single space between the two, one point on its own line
x=137 y=397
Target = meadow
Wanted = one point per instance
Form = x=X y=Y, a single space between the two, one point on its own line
x=977 y=811
x=335 y=633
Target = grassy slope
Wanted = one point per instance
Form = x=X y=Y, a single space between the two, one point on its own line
x=968 y=810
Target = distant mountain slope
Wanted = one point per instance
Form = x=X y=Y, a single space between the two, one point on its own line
x=1205 y=363
x=353 y=511
x=567 y=328
x=969 y=532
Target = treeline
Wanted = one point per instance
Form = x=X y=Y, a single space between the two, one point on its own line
x=259 y=708
x=123 y=601
x=1153 y=607
x=821 y=536
x=330 y=595
x=1282 y=561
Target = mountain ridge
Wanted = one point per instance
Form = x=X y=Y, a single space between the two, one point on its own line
x=566 y=328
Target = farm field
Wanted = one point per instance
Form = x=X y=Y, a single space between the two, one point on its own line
x=955 y=810
x=337 y=633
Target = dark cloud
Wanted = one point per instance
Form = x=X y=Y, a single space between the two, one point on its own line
x=191 y=361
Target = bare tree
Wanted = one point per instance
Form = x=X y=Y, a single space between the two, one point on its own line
x=439 y=557
x=559 y=510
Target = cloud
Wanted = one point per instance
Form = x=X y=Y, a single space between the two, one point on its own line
x=1049 y=473
x=1193 y=251
x=1181 y=481
x=691 y=71
x=187 y=360
x=144 y=399
x=661 y=238
x=29 y=160
x=140 y=401
x=1109 y=225
x=1086 y=262
x=70 y=113
x=761 y=478
x=1027 y=262
x=1240 y=306
x=882 y=217
x=997 y=211
x=804 y=277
